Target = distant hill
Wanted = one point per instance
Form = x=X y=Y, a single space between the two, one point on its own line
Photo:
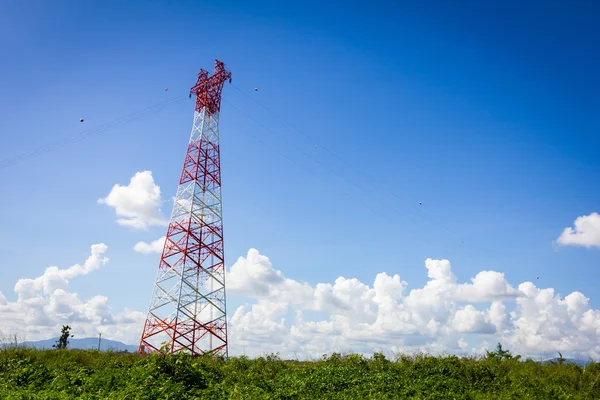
x=581 y=363
x=85 y=343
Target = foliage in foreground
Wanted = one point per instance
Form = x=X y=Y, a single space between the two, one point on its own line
x=86 y=374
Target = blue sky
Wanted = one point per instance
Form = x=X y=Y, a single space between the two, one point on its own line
x=484 y=113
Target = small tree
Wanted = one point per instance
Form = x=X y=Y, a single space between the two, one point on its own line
x=500 y=354
x=63 y=340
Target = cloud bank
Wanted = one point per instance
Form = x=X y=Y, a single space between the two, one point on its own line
x=297 y=318
x=302 y=320
x=46 y=303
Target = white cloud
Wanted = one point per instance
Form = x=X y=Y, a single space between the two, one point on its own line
x=254 y=277
x=45 y=303
x=353 y=316
x=498 y=316
x=137 y=204
x=586 y=232
x=299 y=319
x=54 y=278
x=470 y=320
x=155 y=246
x=485 y=287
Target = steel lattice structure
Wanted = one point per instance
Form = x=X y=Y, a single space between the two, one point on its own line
x=187 y=310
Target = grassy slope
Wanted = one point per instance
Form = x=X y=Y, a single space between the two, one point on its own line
x=81 y=374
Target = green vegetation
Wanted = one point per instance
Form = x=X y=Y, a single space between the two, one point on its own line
x=86 y=374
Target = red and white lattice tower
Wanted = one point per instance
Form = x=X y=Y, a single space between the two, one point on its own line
x=187 y=309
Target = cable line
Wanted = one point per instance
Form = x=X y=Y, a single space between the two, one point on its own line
x=93 y=131
x=351 y=165
x=312 y=158
x=418 y=210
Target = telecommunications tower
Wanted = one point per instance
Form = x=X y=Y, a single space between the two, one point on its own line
x=187 y=309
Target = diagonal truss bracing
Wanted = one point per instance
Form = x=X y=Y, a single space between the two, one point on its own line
x=188 y=308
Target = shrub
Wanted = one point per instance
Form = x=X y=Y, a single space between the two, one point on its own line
x=68 y=374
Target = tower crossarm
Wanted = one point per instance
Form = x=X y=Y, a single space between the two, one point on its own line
x=208 y=89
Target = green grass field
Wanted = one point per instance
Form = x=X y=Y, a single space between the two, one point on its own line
x=79 y=374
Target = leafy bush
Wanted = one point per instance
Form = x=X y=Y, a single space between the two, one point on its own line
x=81 y=374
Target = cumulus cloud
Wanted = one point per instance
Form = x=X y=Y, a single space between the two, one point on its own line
x=55 y=279
x=586 y=232
x=155 y=246
x=138 y=204
x=46 y=303
x=468 y=319
x=299 y=319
